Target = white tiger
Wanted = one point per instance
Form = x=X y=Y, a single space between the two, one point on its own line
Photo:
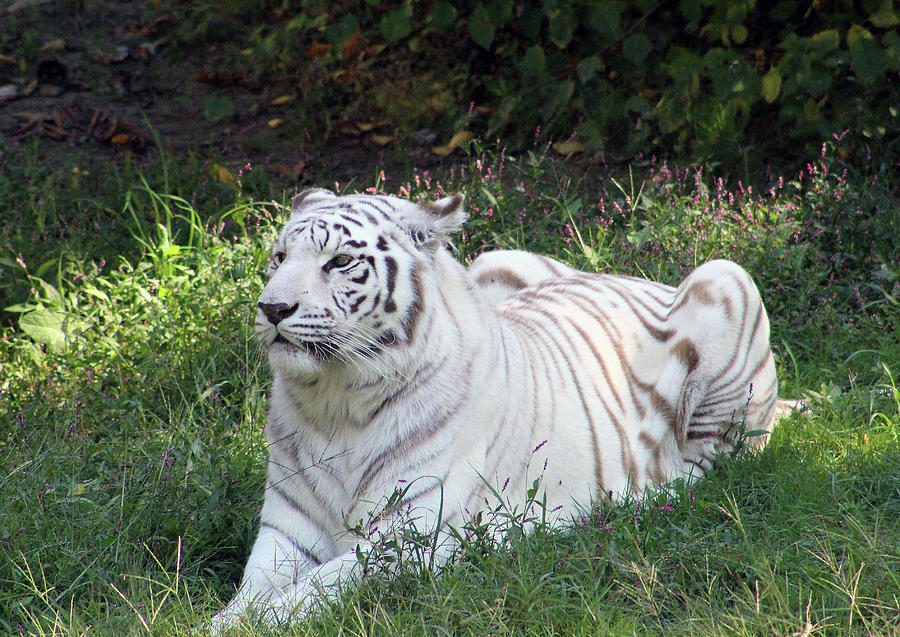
x=389 y=366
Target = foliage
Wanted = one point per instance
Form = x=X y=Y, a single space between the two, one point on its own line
x=713 y=78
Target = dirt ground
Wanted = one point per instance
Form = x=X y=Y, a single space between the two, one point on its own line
x=101 y=78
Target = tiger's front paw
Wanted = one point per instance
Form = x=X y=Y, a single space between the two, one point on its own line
x=220 y=623
x=235 y=614
x=285 y=607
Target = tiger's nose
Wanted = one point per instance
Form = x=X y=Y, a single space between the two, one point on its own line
x=276 y=312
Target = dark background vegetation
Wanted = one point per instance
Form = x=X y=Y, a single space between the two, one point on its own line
x=735 y=85
x=715 y=80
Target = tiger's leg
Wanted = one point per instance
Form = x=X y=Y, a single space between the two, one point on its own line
x=722 y=339
x=283 y=581
x=274 y=565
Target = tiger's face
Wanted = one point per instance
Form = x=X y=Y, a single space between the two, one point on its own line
x=344 y=280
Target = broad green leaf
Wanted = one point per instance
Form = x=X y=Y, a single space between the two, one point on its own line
x=885 y=16
x=588 y=68
x=771 y=85
x=50 y=293
x=605 y=18
x=717 y=56
x=562 y=27
x=45 y=267
x=443 y=15
x=343 y=29
x=638 y=104
x=825 y=41
x=636 y=48
x=395 y=25
x=868 y=61
x=815 y=79
x=891 y=44
x=856 y=34
x=20 y=308
x=736 y=78
x=682 y=64
x=98 y=294
x=533 y=62
x=44 y=326
x=557 y=97
x=481 y=29
x=348 y=25
x=296 y=23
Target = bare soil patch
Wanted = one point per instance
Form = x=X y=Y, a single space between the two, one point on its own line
x=101 y=79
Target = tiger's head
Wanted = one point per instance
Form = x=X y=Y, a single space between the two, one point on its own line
x=345 y=278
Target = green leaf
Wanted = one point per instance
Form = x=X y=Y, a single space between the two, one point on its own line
x=891 y=44
x=885 y=16
x=45 y=267
x=636 y=48
x=825 y=41
x=682 y=64
x=44 y=326
x=481 y=29
x=605 y=18
x=50 y=293
x=98 y=294
x=868 y=59
x=856 y=34
x=556 y=98
x=342 y=30
x=533 y=62
x=638 y=104
x=443 y=15
x=588 y=68
x=747 y=83
x=815 y=79
x=20 y=308
x=562 y=27
x=395 y=26
x=771 y=85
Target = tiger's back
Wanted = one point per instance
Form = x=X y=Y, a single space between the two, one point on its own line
x=658 y=377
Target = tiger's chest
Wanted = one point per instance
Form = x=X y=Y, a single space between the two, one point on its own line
x=359 y=451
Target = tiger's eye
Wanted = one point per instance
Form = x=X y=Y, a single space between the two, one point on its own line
x=339 y=261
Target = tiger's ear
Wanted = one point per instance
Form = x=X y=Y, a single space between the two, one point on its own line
x=310 y=196
x=442 y=218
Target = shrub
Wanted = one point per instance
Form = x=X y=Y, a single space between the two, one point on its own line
x=713 y=78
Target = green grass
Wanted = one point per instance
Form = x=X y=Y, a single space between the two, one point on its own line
x=133 y=401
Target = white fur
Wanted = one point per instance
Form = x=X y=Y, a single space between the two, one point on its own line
x=505 y=396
